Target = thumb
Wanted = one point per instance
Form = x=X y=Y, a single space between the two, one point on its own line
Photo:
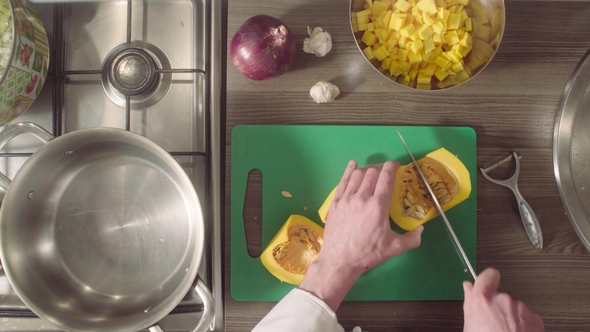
x=467 y=289
x=487 y=282
x=407 y=241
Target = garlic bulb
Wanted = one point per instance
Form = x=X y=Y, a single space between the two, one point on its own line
x=324 y=92
x=318 y=43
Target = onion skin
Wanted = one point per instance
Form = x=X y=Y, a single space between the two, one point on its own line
x=263 y=48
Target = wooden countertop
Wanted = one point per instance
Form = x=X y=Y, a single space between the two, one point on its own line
x=512 y=105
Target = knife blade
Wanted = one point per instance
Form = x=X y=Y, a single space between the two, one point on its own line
x=456 y=244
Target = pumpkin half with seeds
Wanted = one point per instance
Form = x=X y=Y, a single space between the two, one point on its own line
x=295 y=246
x=412 y=205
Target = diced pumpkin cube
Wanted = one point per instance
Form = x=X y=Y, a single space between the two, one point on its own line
x=403 y=5
x=454 y=21
x=443 y=15
x=379 y=7
x=421 y=86
x=384 y=19
x=416 y=46
x=362 y=19
x=441 y=3
x=438 y=27
x=402 y=41
x=413 y=73
x=414 y=58
x=426 y=56
x=402 y=55
x=457 y=67
x=424 y=78
x=369 y=38
x=407 y=30
x=452 y=38
x=397 y=21
x=436 y=39
x=427 y=19
x=439 y=74
x=425 y=32
x=382 y=34
x=429 y=45
x=411 y=19
x=368 y=51
x=371 y=26
x=405 y=66
x=464 y=16
x=427 y=6
x=416 y=11
x=430 y=68
x=391 y=43
x=381 y=53
x=454 y=56
x=442 y=62
x=386 y=63
x=394 y=67
x=363 y=27
x=365 y=12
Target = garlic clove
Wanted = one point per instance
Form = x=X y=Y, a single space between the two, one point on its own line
x=324 y=92
x=318 y=43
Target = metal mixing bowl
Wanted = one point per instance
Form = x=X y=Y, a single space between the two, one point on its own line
x=571 y=156
x=474 y=61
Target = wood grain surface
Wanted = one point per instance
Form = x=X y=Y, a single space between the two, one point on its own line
x=512 y=105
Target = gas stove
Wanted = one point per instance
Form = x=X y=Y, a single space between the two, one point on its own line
x=151 y=67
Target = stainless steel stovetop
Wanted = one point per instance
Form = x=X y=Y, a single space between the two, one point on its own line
x=152 y=67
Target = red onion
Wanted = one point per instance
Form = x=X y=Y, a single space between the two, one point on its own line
x=262 y=48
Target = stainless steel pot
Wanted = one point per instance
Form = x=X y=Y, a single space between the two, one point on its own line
x=101 y=230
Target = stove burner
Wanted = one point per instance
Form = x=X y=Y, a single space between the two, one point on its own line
x=130 y=70
x=133 y=72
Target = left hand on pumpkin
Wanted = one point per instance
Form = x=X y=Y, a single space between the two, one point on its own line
x=357 y=235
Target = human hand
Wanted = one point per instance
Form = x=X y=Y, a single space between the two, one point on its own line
x=357 y=235
x=487 y=310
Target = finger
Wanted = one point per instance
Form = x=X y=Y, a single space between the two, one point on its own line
x=406 y=241
x=538 y=323
x=370 y=180
x=355 y=181
x=487 y=282
x=384 y=186
x=345 y=179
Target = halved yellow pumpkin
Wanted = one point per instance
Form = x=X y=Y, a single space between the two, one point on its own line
x=411 y=205
x=292 y=250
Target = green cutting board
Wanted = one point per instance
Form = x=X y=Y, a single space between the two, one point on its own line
x=308 y=161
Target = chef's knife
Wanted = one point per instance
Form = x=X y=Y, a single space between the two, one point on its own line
x=448 y=227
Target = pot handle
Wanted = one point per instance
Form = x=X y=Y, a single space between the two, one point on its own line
x=208 y=309
x=15 y=129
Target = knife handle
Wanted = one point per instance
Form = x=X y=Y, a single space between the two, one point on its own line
x=530 y=221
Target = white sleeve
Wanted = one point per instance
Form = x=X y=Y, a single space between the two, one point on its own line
x=300 y=311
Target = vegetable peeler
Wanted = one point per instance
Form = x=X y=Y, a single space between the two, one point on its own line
x=529 y=219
